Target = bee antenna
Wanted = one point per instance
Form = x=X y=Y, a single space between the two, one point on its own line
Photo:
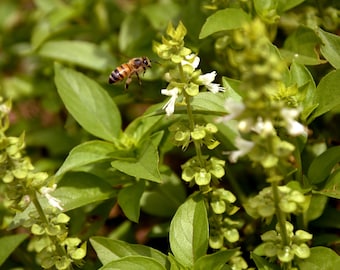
x=154 y=61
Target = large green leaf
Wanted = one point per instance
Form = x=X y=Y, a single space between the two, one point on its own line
x=87 y=153
x=135 y=263
x=145 y=165
x=320 y=258
x=226 y=19
x=322 y=165
x=189 y=231
x=215 y=260
x=328 y=93
x=78 y=189
x=301 y=45
x=88 y=103
x=129 y=200
x=79 y=53
x=8 y=244
x=330 y=47
x=110 y=250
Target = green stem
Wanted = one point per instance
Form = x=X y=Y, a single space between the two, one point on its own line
x=279 y=214
x=191 y=120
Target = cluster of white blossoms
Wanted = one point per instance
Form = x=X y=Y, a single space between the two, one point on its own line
x=189 y=64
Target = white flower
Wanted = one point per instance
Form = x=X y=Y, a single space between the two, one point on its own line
x=192 y=60
x=293 y=127
x=234 y=107
x=243 y=146
x=45 y=191
x=170 y=105
x=264 y=128
x=207 y=80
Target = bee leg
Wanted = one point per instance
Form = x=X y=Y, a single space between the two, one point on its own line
x=128 y=81
x=140 y=83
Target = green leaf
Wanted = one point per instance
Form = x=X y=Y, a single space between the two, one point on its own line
x=301 y=76
x=320 y=258
x=110 y=250
x=267 y=10
x=78 y=189
x=332 y=186
x=160 y=14
x=316 y=207
x=145 y=166
x=135 y=263
x=328 y=93
x=189 y=231
x=322 y=165
x=300 y=46
x=222 y=20
x=9 y=243
x=52 y=23
x=214 y=261
x=135 y=32
x=88 y=103
x=129 y=198
x=87 y=153
x=164 y=199
x=330 y=47
x=81 y=53
x=206 y=102
x=284 y=5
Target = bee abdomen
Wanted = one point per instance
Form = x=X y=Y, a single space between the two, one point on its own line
x=119 y=74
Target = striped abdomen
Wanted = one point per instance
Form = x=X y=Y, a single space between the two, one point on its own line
x=120 y=73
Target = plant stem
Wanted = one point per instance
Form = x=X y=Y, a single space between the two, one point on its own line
x=279 y=214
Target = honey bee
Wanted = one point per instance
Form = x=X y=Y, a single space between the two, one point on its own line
x=126 y=70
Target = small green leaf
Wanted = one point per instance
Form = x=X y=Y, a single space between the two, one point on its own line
x=226 y=19
x=78 y=189
x=330 y=47
x=110 y=250
x=301 y=76
x=189 y=231
x=284 y=5
x=145 y=166
x=316 y=207
x=79 y=53
x=322 y=165
x=320 y=258
x=328 y=93
x=87 y=153
x=11 y=242
x=135 y=263
x=129 y=198
x=88 y=103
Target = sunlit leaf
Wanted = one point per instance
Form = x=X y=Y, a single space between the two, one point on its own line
x=88 y=103
x=78 y=52
x=110 y=250
x=189 y=231
x=226 y=19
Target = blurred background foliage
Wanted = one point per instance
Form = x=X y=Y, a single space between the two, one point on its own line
x=94 y=37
